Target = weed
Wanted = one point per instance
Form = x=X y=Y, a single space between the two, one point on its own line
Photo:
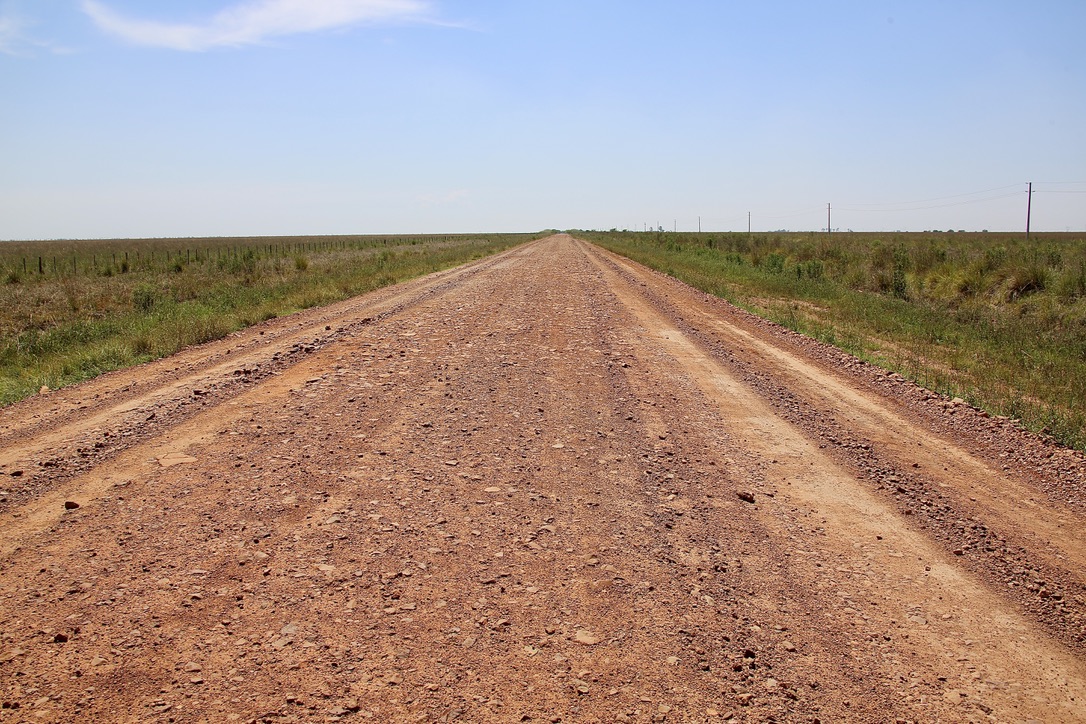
x=144 y=296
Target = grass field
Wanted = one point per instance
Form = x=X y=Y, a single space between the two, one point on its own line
x=70 y=310
x=992 y=318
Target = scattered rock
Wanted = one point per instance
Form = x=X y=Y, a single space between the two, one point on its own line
x=70 y=505
x=745 y=496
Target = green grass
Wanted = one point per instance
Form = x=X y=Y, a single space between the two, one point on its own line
x=103 y=305
x=991 y=318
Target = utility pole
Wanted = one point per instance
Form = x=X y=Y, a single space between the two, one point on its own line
x=748 y=223
x=1029 y=204
x=829 y=227
x=699 y=224
x=674 y=225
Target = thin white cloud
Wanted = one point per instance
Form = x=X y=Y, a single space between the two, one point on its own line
x=16 y=38
x=10 y=35
x=256 y=21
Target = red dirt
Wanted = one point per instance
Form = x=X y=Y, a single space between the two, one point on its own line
x=547 y=486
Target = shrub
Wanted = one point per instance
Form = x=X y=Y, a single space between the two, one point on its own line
x=897 y=283
x=814 y=269
x=301 y=263
x=144 y=297
x=774 y=263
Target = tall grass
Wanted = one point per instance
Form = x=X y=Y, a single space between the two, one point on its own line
x=991 y=318
x=111 y=304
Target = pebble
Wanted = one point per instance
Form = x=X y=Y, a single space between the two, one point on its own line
x=175 y=458
x=586 y=637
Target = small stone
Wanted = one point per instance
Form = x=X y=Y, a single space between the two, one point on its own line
x=44 y=390
x=745 y=496
x=193 y=667
x=70 y=505
x=788 y=646
x=586 y=637
x=175 y=458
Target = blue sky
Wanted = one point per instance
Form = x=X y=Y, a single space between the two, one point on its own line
x=156 y=118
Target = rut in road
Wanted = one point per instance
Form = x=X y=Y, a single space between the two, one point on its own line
x=510 y=492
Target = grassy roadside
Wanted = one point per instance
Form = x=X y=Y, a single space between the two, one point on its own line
x=99 y=306
x=991 y=318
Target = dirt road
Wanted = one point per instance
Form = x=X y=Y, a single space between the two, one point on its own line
x=548 y=486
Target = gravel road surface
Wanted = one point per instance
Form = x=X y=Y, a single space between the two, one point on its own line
x=550 y=485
